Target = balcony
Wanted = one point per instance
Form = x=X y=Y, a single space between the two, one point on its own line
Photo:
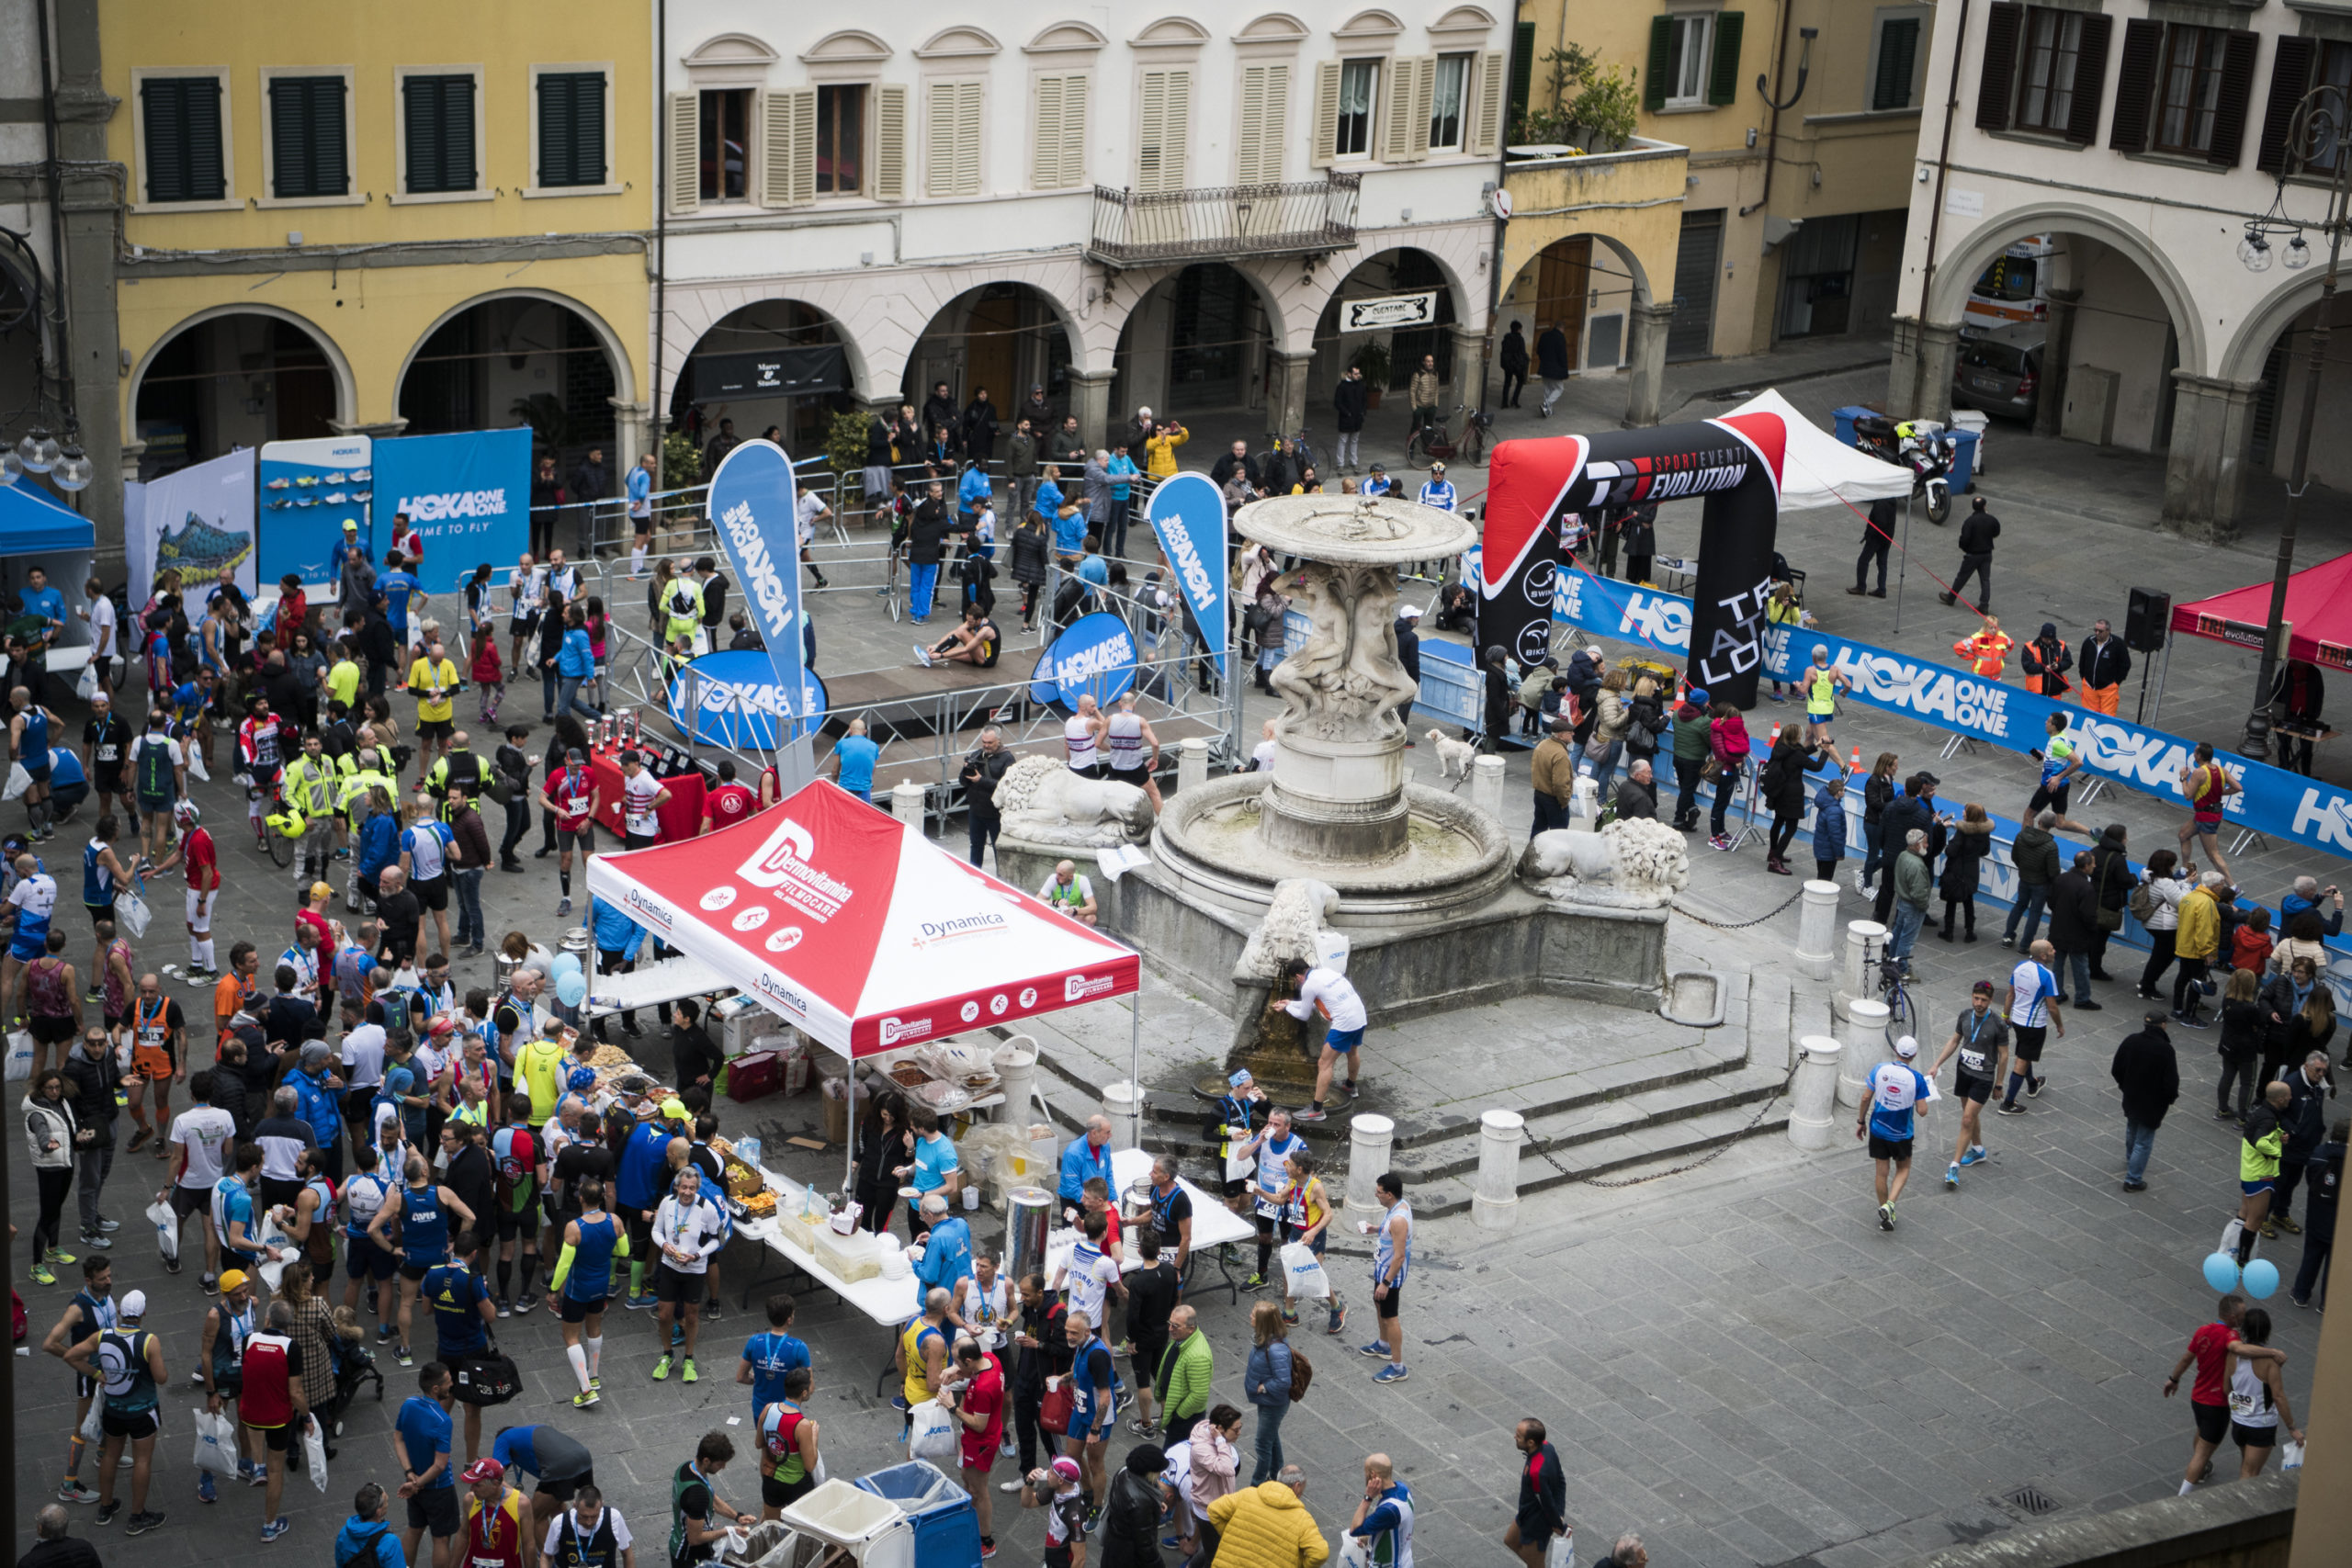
x=1217 y=222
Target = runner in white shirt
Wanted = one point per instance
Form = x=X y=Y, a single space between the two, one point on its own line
x=805 y=511
x=1126 y=737
x=688 y=1229
x=204 y=1132
x=641 y=799
x=1327 y=991
x=2033 y=1005
x=1090 y=1276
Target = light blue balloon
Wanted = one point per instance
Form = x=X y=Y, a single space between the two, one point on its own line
x=570 y=989
x=2221 y=1272
x=566 y=964
x=2261 y=1278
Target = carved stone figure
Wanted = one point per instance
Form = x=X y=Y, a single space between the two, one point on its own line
x=1345 y=684
x=1636 y=865
x=1301 y=906
x=1045 y=803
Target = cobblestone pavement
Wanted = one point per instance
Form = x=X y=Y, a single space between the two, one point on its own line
x=1734 y=1361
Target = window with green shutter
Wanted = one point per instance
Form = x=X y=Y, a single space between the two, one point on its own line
x=182 y=153
x=571 y=128
x=1522 y=71
x=1898 y=58
x=309 y=140
x=437 y=118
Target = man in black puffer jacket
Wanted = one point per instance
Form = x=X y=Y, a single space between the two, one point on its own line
x=92 y=1076
x=1915 y=807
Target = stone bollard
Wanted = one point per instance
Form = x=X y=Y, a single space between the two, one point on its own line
x=1494 y=1206
x=906 y=803
x=1865 y=1038
x=1487 y=785
x=1817 y=931
x=1861 y=936
x=1192 y=763
x=1371 y=1140
x=1813 y=1098
x=1123 y=1103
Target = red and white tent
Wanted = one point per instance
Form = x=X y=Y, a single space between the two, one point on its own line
x=858 y=930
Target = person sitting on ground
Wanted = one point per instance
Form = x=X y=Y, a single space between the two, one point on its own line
x=977 y=641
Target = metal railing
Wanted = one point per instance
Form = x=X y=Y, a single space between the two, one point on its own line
x=1299 y=217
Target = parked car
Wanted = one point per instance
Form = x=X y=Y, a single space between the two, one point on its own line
x=2000 y=371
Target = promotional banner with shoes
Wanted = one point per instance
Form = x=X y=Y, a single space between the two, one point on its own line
x=198 y=519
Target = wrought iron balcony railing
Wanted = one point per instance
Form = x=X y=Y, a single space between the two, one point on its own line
x=1303 y=217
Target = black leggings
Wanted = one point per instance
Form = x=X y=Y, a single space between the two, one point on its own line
x=1726 y=786
x=1029 y=1432
x=1686 y=788
x=54 y=1184
x=1967 y=904
x=2184 y=994
x=1784 y=832
x=2159 y=959
x=2241 y=1070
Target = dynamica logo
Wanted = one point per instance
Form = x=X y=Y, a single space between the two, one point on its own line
x=897 y=1028
x=1112 y=653
x=758 y=566
x=963 y=925
x=456 y=503
x=783 y=864
x=784 y=996
x=647 y=908
x=1077 y=988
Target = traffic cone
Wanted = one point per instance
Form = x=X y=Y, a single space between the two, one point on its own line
x=1776 y=739
x=1855 y=766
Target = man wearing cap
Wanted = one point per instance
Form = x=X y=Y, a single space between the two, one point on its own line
x=1981 y=1040
x=2149 y=1075
x=1436 y=491
x=496 y=1518
x=1890 y=1092
x=1552 y=777
x=219 y=1366
x=354 y=574
x=127 y=1362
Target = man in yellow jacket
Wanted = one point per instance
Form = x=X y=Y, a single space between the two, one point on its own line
x=1987 y=651
x=1267 y=1526
x=2195 y=943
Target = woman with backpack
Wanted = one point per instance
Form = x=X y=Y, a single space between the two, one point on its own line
x=1267 y=1380
x=1727 y=748
x=1780 y=789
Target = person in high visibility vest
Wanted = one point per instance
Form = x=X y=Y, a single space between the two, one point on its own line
x=1986 y=652
x=311 y=788
x=1821 y=684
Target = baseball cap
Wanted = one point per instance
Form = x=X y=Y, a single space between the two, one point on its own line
x=350 y=525
x=673 y=1110
x=1065 y=1467
x=2158 y=1017
x=484 y=1469
x=230 y=1278
x=1409 y=612
x=575 y=755
x=1982 y=988
x=321 y=890
x=1928 y=779
x=1906 y=1047
x=133 y=1305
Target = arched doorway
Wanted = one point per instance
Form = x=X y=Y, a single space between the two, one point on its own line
x=234 y=379
x=1389 y=274
x=1587 y=285
x=1004 y=337
x=773 y=362
x=524 y=359
x=1199 y=340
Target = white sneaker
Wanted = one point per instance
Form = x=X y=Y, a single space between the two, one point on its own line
x=922 y=655
x=1014 y=1486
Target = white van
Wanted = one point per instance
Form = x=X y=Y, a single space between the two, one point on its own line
x=2015 y=288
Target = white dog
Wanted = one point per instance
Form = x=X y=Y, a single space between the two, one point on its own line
x=1454 y=757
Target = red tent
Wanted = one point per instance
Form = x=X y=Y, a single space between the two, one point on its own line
x=857 y=928
x=2319 y=614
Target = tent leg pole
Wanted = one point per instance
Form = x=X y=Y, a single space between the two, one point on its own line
x=1134 y=1057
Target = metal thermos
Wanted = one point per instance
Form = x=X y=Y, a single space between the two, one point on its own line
x=1028 y=1215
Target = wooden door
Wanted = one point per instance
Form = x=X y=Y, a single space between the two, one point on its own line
x=1563 y=283
x=993 y=329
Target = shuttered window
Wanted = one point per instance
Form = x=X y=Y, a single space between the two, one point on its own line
x=951 y=153
x=1058 y=133
x=1682 y=66
x=1522 y=71
x=1164 y=124
x=891 y=144
x=1265 y=119
x=788 y=147
x=571 y=128
x=2199 y=93
x=181 y=158
x=309 y=142
x=1487 y=117
x=437 y=133
x=1723 y=79
x=1898 y=58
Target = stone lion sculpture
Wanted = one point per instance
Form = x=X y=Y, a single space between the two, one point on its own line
x=1298 y=909
x=1043 y=803
x=1635 y=864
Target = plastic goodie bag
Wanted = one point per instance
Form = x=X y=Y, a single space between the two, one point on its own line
x=1303 y=1276
x=932 y=1434
x=167 y=1230
x=314 y=1453
x=216 y=1443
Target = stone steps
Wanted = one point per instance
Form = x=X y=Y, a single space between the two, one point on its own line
x=1647 y=1144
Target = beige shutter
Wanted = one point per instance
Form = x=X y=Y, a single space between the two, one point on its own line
x=1327 y=113
x=1165 y=122
x=685 y=152
x=1396 y=142
x=891 y=144
x=1424 y=96
x=787 y=147
x=1073 y=130
x=1487 y=115
x=1275 y=126
x=968 y=139
x=1250 y=136
x=951 y=153
x=1045 y=134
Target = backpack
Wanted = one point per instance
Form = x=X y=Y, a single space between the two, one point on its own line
x=155 y=768
x=1302 y=1372
x=2143 y=902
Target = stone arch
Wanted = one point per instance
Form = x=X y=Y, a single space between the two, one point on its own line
x=1958 y=270
x=346 y=386
x=1006 y=367
x=616 y=352
x=2292 y=296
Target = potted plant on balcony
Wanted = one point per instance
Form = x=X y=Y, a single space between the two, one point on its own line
x=1592 y=110
x=1372 y=360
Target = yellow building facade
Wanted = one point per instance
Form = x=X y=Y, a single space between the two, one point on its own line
x=1738 y=225
x=383 y=220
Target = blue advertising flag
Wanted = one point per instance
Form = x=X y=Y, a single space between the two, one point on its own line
x=468 y=494
x=1095 y=653
x=754 y=506
x=737 y=702
x=1188 y=514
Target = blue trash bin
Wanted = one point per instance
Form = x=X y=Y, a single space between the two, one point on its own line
x=1844 y=419
x=948 y=1533
x=1964 y=459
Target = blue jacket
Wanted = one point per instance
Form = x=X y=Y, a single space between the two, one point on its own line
x=379 y=842
x=577 y=657
x=1270 y=1367
x=319 y=1105
x=362 y=1545
x=2293 y=904
x=1080 y=1161
x=615 y=932
x=971 y=490
x=1829 y=824
x=946 y=1256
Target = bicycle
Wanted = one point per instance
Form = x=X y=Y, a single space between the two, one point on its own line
x=282 y=830
x=1435 y=444
x=1902 y=1013
x=893 y=591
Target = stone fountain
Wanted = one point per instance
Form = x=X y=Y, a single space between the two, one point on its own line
x=1251 y=869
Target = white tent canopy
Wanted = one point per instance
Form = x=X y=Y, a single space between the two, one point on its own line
x=1817 y=470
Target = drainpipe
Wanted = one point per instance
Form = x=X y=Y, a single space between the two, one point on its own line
x=657 y=413
x=1502 y=165
x=1780 y=74
x=1936 y=213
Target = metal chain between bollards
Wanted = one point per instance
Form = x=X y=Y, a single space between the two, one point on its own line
x=1741 y=925
x=1711 y=1155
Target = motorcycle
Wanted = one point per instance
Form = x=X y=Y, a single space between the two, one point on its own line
x=1922 y=446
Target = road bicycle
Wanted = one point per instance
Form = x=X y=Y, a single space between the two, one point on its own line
x=1430 y=442
x=1893 y=989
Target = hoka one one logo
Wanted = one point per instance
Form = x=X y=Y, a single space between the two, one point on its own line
x=454 y=505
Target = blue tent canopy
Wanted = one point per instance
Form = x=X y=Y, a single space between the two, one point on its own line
x=33 y=522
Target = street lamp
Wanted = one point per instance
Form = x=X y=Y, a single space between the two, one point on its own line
x=2315 y=139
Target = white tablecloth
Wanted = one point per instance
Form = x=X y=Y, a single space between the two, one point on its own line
x=1214 y=1224
x=888 y=1301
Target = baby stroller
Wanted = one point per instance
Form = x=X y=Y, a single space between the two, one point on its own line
x=354 y=1366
